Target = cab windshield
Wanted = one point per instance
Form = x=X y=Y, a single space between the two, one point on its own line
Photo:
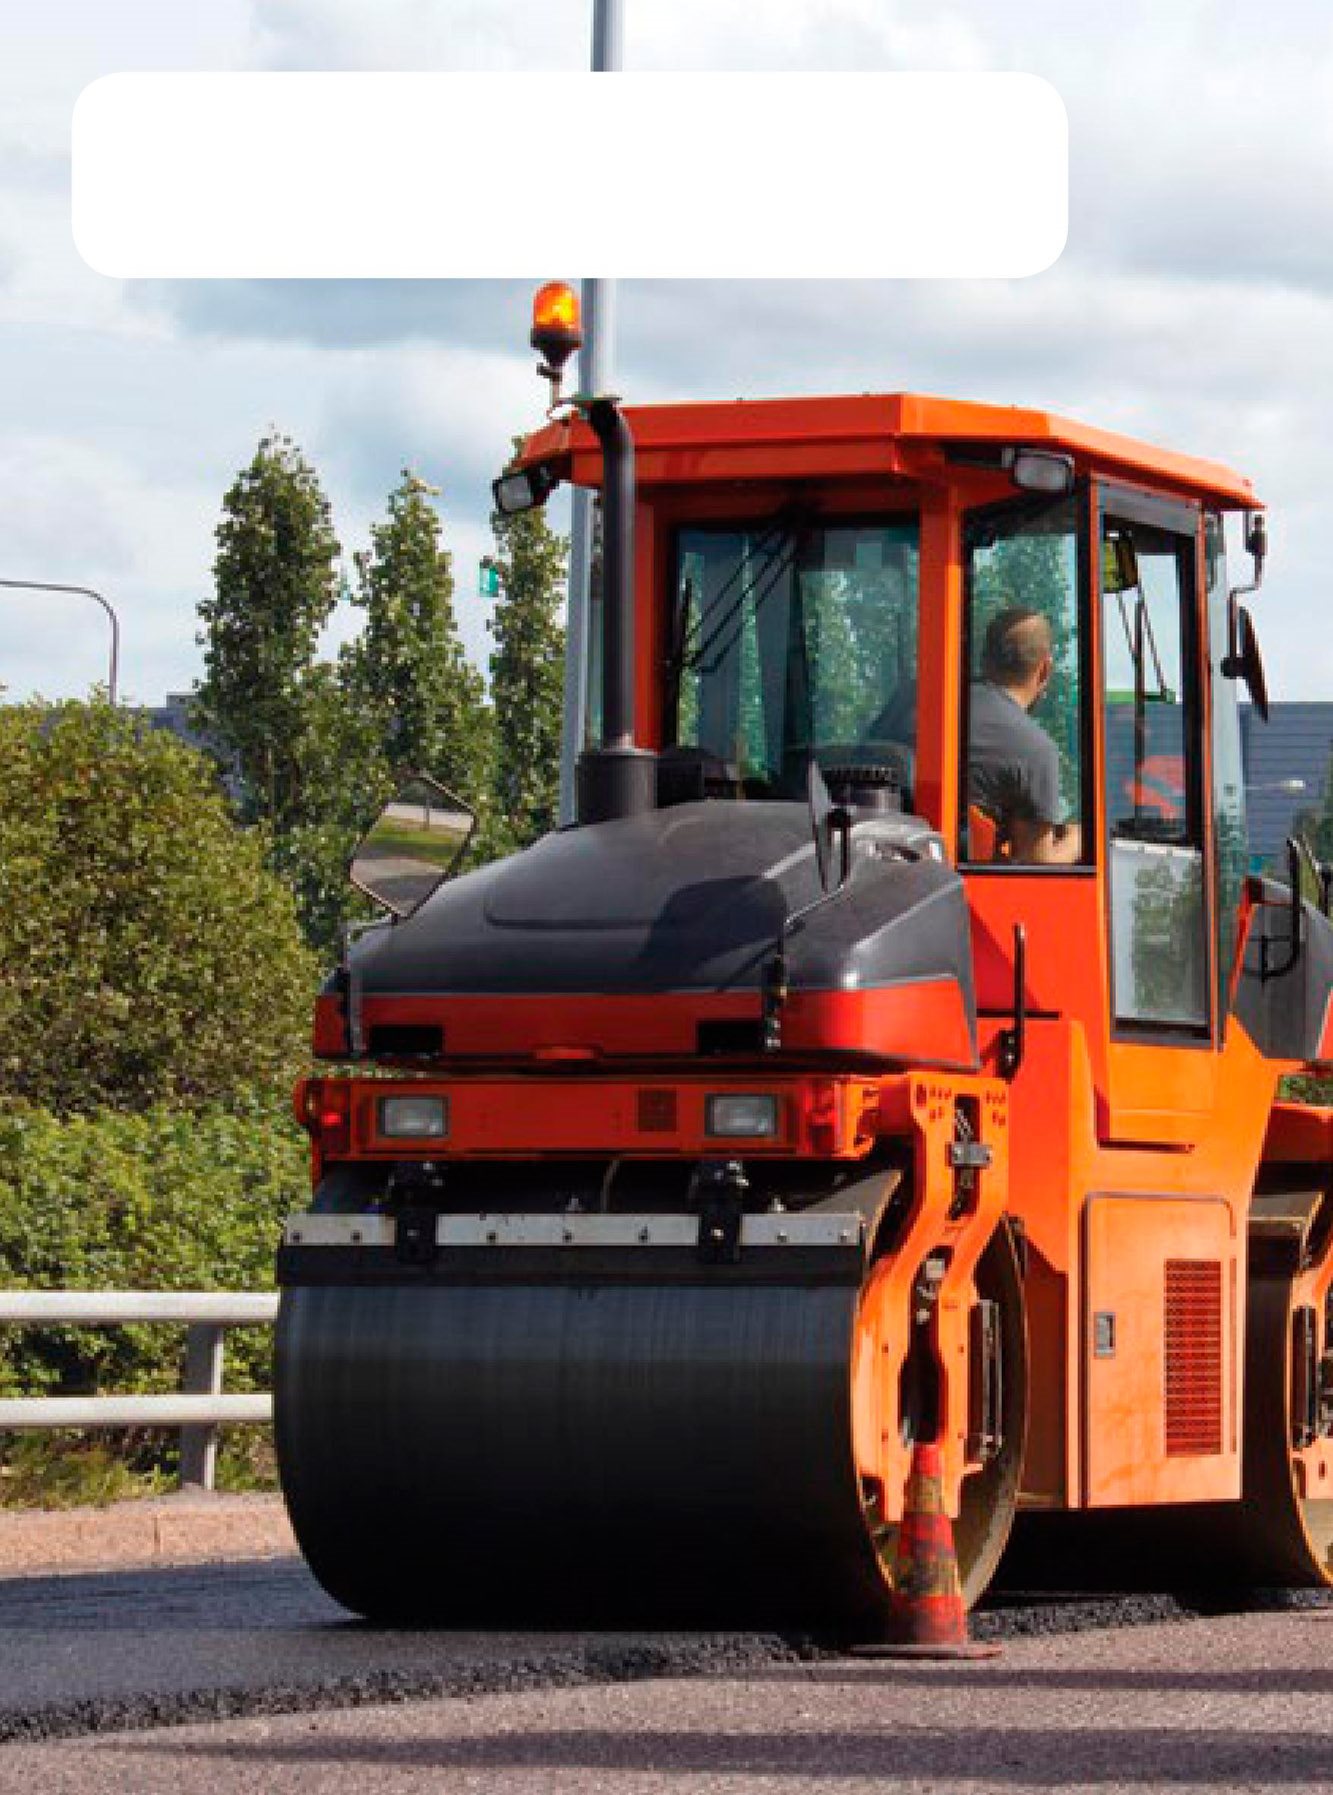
x=797 y=639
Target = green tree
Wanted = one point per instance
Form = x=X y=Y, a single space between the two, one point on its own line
x=407 y=672
x=527 y=673
x=147 y=953
x=275 y=587
x=346 y=779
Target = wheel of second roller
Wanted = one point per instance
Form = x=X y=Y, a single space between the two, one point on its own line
x=1280 y=1534
x=571 y=1454
x=1283 y=1527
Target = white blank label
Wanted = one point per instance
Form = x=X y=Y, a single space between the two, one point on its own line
x=828 y=176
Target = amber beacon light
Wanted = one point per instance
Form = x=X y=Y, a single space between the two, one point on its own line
x=556 y=327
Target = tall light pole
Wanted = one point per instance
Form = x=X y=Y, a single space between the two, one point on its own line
x=82 y=592
x=595 y=374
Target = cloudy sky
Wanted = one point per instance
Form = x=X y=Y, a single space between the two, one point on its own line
x=1193 y=305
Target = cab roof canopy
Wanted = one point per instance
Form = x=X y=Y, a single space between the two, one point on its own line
x=896 y=434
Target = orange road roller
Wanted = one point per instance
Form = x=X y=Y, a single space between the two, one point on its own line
x=891 y=1050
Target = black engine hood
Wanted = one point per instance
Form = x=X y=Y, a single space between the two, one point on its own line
x=690 y=898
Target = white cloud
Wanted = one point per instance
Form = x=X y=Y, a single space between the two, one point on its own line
x=1194 y=306
x=686 y=34
x=417 y=34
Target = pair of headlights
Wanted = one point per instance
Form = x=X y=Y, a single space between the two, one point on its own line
x=731 y=1115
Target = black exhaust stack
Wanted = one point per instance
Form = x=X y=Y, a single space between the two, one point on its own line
x=618 y=779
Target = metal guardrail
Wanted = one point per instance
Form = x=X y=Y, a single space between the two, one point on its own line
x=198 y=1411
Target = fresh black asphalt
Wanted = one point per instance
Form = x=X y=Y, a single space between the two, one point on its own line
x=125 y=1651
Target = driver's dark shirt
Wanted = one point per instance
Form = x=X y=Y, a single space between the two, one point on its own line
x=1013 y=766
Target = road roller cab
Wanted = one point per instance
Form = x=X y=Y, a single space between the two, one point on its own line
x=888 y=1052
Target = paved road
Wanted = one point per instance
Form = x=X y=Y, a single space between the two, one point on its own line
x=1236 y=1703
x=151 y=1648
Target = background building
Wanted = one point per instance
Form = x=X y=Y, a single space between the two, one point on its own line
x=1295 y=745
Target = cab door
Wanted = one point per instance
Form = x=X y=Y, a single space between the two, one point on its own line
x=1158 y=893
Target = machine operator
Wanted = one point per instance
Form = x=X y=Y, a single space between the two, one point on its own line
x=1013 y=766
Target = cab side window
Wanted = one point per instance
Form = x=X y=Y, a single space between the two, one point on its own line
x=1159 y=946
x=1022 y=759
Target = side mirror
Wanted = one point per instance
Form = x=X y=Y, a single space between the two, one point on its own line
x=1243 y=658
x=413 y=845
x=831 y=827
x=1256 y=541
x=1303 y=859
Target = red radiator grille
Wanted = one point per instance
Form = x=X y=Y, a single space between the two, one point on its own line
x=1193 y=1356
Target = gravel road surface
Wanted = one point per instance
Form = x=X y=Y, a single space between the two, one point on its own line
x=1233 y=1703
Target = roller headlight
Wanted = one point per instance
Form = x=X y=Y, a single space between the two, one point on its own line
x=414 y=1118
x=747 y=1116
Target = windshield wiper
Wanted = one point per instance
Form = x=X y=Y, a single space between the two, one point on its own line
x=684 y=653
x=709 y=654
x=725 y=623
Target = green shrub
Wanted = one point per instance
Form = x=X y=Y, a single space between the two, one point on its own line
x=1302 y=1089
x=159 y=1200
x=147 y=952
x=155 y=999
x=64 y=1468
x=69 y=1470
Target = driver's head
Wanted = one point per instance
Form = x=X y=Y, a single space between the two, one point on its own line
x=1016 y=653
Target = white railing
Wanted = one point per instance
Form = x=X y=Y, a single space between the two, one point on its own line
x=198 y=1411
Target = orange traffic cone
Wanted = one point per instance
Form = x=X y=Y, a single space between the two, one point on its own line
x=927 y=1617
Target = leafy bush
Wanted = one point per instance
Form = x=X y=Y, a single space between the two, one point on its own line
x=159 y=1200
x=147 y=953
x=1302 y=1089
x=64 y=1470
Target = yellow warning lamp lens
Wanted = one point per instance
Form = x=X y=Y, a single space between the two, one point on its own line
x=556 y=330
x=556 y=305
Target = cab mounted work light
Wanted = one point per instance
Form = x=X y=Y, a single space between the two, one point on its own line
x=523 y=488
x=1041 y=470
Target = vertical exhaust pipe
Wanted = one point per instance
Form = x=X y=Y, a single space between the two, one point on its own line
x=617 y=778
x=613 y=433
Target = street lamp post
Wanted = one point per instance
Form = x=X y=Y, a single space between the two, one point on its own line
x=83 y=592
x=598 y=309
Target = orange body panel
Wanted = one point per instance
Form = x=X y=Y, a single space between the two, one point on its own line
x=839 y=437
x=1131 y=1245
